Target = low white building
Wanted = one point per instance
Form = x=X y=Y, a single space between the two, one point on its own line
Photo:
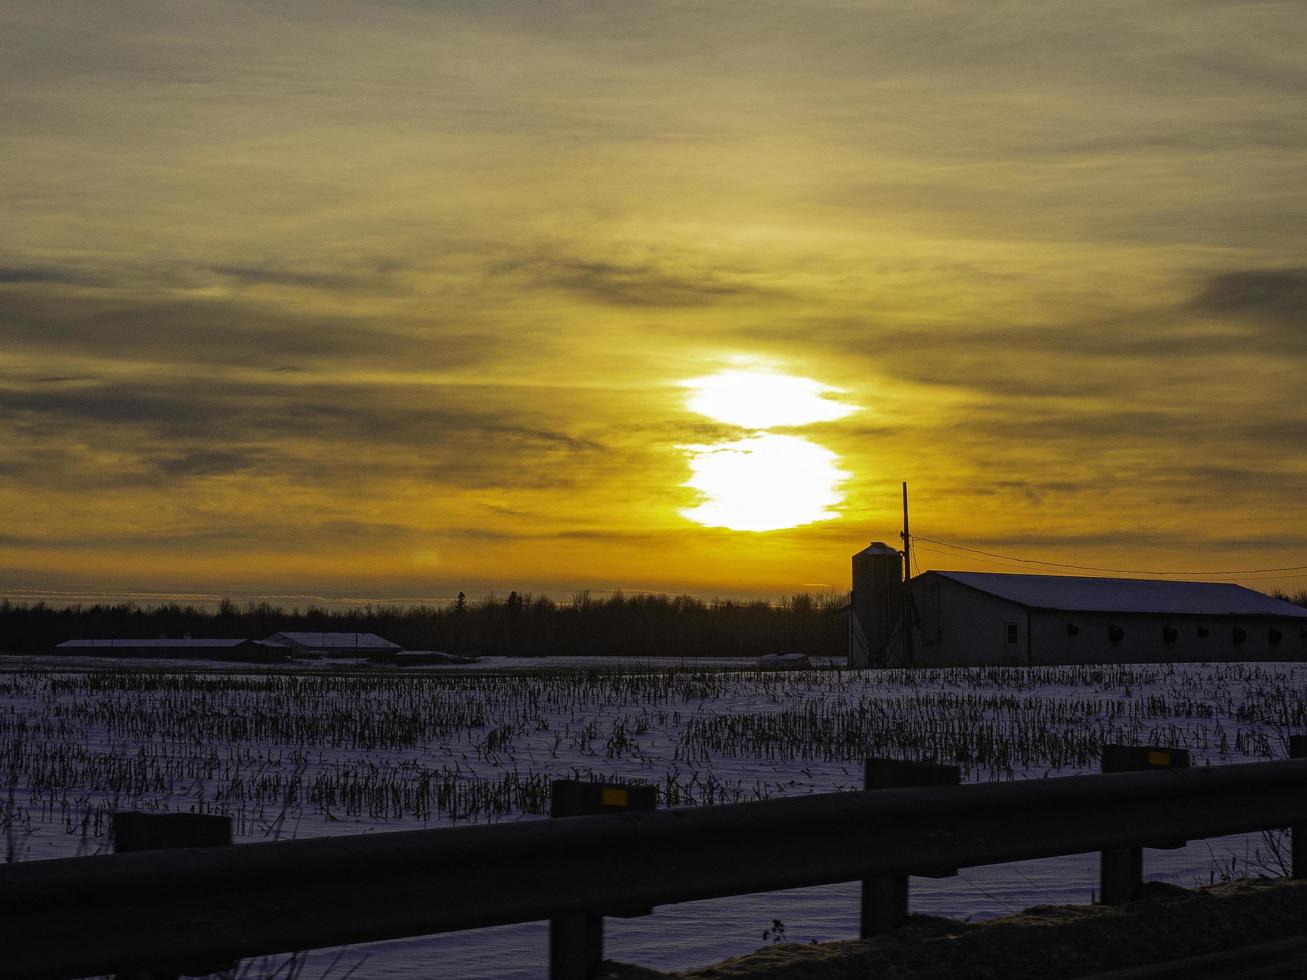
x=332 y=644
x=998 y=618
x=169 y=647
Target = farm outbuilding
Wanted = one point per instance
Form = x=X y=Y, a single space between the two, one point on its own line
x=180 y=648
x=331 y=644
x=1018 y=619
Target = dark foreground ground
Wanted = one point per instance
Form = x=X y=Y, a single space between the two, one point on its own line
x=1239 y=929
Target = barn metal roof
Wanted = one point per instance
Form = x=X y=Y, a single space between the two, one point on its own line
x=157 y=642
x=1127 y=595
x=332 y=641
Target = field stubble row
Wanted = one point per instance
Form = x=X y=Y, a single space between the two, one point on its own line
x=286 y=754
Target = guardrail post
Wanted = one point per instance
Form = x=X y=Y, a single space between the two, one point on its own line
x=885 y=899
x=1298 y=832
x=1121 y=869
x=576 y=942
x=165 y=831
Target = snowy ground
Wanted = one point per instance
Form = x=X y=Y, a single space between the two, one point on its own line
x=310 y=750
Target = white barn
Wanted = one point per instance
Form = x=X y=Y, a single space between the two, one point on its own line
x=166 y=647
x=309 y=644
x=1018 y=619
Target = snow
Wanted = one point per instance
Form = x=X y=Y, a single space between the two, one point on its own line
x=293 y=751
x=788 y=661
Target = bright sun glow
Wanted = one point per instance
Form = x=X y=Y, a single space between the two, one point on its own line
x=762 y=399
x=764 y=483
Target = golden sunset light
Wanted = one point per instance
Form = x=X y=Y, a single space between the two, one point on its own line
x=764 y=483
x=577 y=481
x=388 y=301
x=762 y=399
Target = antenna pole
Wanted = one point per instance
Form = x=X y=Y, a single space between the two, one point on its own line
x=907 y=581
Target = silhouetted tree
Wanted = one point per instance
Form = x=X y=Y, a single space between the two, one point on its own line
x=522 y=624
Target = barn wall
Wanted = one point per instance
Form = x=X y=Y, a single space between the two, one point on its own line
x=1141 y=639
x=960 y=625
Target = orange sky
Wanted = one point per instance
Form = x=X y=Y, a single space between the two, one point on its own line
x=388 y=300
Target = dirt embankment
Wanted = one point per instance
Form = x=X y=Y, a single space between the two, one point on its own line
x=1046 y=942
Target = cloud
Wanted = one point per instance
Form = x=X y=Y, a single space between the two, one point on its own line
x=1178 y=542
x=252 y=275
x=239 y=534
x=1051 y=349
x=10 y=275
x=171 y=330
x=204 y=461
x=634 y=285
x=1277 y=297
x=431 y=271
x=158 y=431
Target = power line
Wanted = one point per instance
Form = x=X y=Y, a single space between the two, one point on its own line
x=1096 y=568
x=1294 y=576
x=986 y=563
x=1009 y=564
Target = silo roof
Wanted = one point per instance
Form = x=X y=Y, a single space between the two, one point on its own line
x=1074 y=593
x=879 y=548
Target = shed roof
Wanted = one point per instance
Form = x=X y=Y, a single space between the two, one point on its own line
x=161 y=643
x=1127 y=595
x=332 y=641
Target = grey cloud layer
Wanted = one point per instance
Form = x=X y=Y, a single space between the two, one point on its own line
x=163 y=329
x=642 y=285
x=279 y=245
x=192 y=427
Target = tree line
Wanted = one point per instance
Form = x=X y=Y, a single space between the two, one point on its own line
x=519 y=624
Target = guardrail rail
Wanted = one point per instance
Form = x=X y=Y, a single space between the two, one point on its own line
x=163 y=909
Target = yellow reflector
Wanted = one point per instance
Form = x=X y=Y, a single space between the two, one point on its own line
x=1159 y=758
x=615 y=797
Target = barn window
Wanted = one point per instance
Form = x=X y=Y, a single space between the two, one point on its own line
x=1011 y=631
x=1203 y=632
x=1072 y=629
x=1239 y=635
x=1169 y=634
x=1115 y=633
x=1273 y=637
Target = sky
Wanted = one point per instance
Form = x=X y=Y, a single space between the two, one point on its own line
x=387 y=300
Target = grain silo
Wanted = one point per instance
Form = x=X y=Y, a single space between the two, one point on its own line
x=876 y=613
x=1000 y=618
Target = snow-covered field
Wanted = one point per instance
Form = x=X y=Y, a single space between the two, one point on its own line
x=314 y=750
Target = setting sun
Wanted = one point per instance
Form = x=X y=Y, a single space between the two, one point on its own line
x=482 y=297
x=765 y=481
x=763 y=399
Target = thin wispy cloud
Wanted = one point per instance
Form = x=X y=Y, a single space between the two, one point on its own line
x=405 y=296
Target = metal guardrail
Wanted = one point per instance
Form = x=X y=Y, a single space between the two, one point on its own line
x=162 y=909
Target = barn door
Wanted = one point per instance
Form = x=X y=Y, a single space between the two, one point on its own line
x=1012 y=643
